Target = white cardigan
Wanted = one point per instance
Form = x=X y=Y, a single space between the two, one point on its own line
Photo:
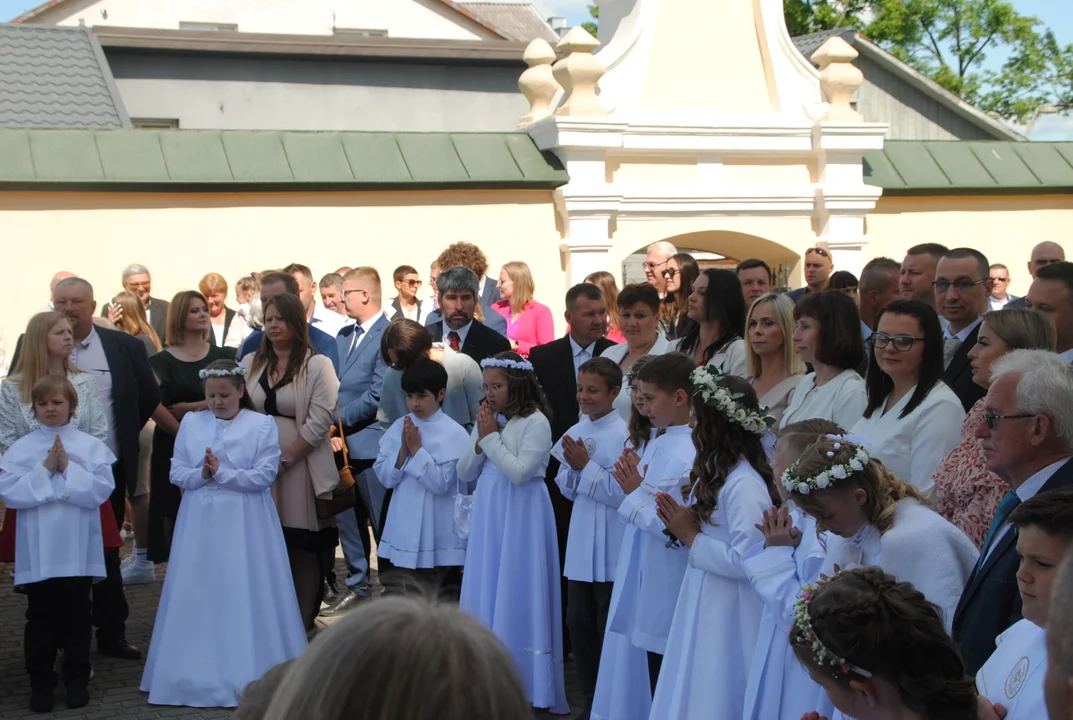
x=730 y=360
x=842 y=400
x=520 y=450
x=616 y=353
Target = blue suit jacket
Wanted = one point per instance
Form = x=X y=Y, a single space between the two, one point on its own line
x=321 y=341
x=361 y=376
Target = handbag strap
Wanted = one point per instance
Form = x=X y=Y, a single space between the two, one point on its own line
x=339 y=424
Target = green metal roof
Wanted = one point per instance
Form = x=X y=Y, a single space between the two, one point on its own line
x=205 y=160
x=939 y=167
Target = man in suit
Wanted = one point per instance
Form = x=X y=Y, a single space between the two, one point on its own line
x=818 y=269
x=1027 y=439
x=962 y=288
x=470 y=256
x=1058 y=682
x=456 y=288
x=361 y=377
x=755 y=278
x=1043 y=254
x=1000 y=298
x=136 y=280
x=317 y=317
x=1052 y=293
x=274 y=283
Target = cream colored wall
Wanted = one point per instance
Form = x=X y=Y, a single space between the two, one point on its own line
x=180 y=237
x=401 y=18
x=1003 y=228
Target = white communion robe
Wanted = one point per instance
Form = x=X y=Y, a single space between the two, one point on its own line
x=779 y=686
x=228 y=612
x=710 y=648
x=653 y=571
x=595 y=536
x=510 y=582
x=842 y=400
x=918 y=532
x=420 y=528
x=623 y=688
x=59 y=529
x=912 y=447
x=1013 y=675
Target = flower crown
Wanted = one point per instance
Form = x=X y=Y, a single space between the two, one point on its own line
x=794 y=483
x=523 y=365
x=237 y=371
x=804 y=632
x=707 y=386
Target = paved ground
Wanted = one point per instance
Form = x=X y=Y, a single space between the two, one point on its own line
x=114 y=689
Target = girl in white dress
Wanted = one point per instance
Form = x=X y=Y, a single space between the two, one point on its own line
x=878 y=648
x=228 y=611
x=511 y=577
x=709 y=649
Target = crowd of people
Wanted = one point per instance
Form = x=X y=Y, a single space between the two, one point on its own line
x=849 y=500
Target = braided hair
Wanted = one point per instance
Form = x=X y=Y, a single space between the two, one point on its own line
x=889 y=629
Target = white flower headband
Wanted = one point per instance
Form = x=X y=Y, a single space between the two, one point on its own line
x=523 y=365
x=707 y=387
x=804 y=486
x=804 y=633
x=238 y=371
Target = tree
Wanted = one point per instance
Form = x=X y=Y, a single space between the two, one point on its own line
x=590 y=25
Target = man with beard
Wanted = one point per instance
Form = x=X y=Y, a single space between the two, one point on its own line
x=456 y=289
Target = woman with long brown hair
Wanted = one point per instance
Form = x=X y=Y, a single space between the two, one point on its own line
x=680 y=273
x=291 y=382
x=133 y=321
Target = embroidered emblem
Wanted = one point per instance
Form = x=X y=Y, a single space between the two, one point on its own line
x=590 y=446
x=1016 y=678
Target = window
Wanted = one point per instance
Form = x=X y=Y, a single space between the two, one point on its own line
x=155 y=123
x=360 y=32
x=208 y=27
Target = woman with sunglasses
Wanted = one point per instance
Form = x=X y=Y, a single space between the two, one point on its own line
x=913 y=418
x=680 y=273
x=967 y=492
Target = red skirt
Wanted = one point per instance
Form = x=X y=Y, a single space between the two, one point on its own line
x=109 y=532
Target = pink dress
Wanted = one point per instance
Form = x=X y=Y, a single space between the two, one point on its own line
x=967 y=492
x=533 y=327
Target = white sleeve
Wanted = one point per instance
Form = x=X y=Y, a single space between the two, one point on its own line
x=745 y=501
x=567 y=479
x=386 y=456
x=27 y=487
x=533 y=452
x=599 y=484
x=935 y=435
x=773 y=574
x=850 y=403
x=185 y=470
x=470 y=464
x=88 y=487
x=262 y=473
x=437 y=478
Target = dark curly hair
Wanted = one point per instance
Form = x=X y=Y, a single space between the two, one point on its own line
x=524 y=394
x=889 y=629
x=721 y=445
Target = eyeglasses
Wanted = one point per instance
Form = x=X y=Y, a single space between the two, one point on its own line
x=1000 y=279
x=902 y=343
x=139 y=284
x=347 y=292
x=991 y=419
x=653 y=265
x=959 y=285
x=669 y=273
x=411 y=283
x=818 y=251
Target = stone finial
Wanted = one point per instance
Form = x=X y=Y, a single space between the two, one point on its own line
x=839 y=79
x=538 y=83
x=578 y=72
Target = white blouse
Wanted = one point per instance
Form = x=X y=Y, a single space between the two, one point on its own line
x=914 y=445
x=520 y=450
x=730 y=360
x=616 y=353
x=17 y=418
x=842 y=400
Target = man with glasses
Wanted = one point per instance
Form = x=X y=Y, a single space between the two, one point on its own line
x=818 y=269
x=1027 y=437
x=136 y=280
x=659 y=254
x=406 y=305
x=962 y=287
x=1000 y=279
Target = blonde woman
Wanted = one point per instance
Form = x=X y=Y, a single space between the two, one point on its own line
x=770 y=355
x=609 y=289
x=214 y=287
x=528 y=322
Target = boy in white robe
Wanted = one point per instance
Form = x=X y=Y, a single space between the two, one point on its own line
x=587 y=453
x=1013 y=676
x=57 y=477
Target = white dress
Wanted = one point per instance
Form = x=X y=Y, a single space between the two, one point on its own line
x=1013 y=675
x=58 y=533
x=730 y=360
x=511 y=578
x=710 y=648
x=228 y=611
x=616 y=353
x=912 y=447
x=841 y=400
x=420 y=528
x=17 y=418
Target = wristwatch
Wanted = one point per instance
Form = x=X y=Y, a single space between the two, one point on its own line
x=285 y=462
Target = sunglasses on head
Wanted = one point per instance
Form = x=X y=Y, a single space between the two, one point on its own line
x=818 y=251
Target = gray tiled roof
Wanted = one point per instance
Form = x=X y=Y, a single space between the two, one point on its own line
x=517 y=21
x=808 y=44
x=56 y=77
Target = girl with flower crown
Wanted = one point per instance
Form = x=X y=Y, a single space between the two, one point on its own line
x=875 y=519
x=712 y=637
x=228 y=612
x=510 y=581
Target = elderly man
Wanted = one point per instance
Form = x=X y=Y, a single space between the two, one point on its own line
x=1052 y=293
x=656 y=259
x=755 y=278
x=1027 y=438
x=136 y=280
x=1058 y=682
x=331 y=294
x=818 y=269
x=317 y=316
x=457 y=289
x=962 y=288
x=274 y=283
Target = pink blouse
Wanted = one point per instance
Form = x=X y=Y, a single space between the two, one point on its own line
x=533 y=327
x=967 y=492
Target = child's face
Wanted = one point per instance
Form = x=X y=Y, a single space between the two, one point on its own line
x=841 y=511
x=243 y=296
x=222 y=397
x=1041 y=554
x=594 y=397
x=424 y=404
x=638 y=398
x=495 y=389
x=664 y=408
x=53 y=411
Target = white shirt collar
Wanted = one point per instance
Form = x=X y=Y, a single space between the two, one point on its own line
x=1031 y=487
x=965 y=332
x=575 y=348
x=89 y=339
x=368 y=324
x=462 y=332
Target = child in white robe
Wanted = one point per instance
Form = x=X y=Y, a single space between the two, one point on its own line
x=228 y=611
x=417 y=458
x=57 y=477
x=717 y=616
x=1013 y=676
x=587 y=453
x=510 y=582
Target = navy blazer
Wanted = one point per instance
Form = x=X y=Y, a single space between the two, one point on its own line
x=492 y=320
x=959 y=374
x=991 y=602
x=321 y=341
x=361 y=376
x=489 y=292
x=481 y=342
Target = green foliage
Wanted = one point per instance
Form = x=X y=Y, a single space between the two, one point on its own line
x=590 y=25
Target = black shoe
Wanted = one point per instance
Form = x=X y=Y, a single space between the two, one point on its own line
x=119 y=649
x=331 y=594
x=77 y=696
x=41 y=700
x=349 y=599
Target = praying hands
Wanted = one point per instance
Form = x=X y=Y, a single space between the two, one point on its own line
x=56 y=459
x=211 y=465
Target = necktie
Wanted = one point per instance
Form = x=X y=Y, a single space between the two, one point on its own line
x=950 y=348
x=455 y=341
x=358 y=330
x=1006 y=506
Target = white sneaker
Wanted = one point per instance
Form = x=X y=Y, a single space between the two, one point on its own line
x=126 y=562
x=135 y=574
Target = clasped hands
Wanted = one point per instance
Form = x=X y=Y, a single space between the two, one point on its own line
x=411 y=442
x=575 y=453
x=211 y=464
x=56 y=459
